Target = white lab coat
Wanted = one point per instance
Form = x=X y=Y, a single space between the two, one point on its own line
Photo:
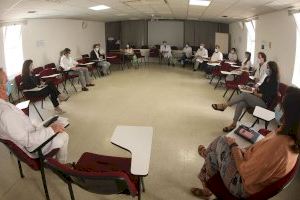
x=217 y=56
x=260 y=73
x=67 y=62
x=188 y=51
x=166 y=51
x=17 y=127
x=200 y=54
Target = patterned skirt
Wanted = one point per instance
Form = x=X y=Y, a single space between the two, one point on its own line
x=219 y=159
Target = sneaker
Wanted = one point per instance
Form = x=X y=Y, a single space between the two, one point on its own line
x=90 y=85
x=85 y=89
x=63 y=97
x=58 y=110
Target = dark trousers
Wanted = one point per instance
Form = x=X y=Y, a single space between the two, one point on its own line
x=49 y=90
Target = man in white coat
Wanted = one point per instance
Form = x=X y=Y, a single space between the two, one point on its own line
x=166 y=52
x=17 y=127
x=200 y=55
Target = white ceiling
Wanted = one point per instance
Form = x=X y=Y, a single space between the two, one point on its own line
x=140 y=9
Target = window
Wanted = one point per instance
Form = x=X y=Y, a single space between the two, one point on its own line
x=251 y=38
x=296 y=74
x=13 y=50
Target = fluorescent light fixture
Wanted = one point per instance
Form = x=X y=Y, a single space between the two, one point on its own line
x=199 y=2
x=99 y=7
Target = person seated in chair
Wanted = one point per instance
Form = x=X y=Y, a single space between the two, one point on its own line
x=232 y=56
x=17 y=127
x=217 y=57
x=187 y=53
x=30 y=81
x=247 y=171
x=260 y=68
x=263 y=96
x=200 y=55
x=166 y=52
x=3 y=81
x=99 y=54
x=68 y=63
x=246 y=64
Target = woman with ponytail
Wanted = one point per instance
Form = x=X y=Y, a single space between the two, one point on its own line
x=246 y=171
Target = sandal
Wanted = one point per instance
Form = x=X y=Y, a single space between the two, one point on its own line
x=216 y=107
x=199 y=193
x=228 y=129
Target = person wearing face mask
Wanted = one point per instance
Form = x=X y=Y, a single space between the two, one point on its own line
x=260 y=69
x=128 y=50
x=215 y=58
x=69 y=64
x=246 y=64
x=17 y=127
x=3 y=81
x=99 y=54
x=232 y=56
x=187 y=53
x=200 y=55
x=263 y=96
x=166 y=52
x=29 y=82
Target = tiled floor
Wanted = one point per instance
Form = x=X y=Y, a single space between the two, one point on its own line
x=176 y=102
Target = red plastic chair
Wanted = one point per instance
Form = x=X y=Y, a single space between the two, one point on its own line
x=67 y=76
x=37 y=71
x=18 y=81
x=234 y=85
x=115 y=58
x=138 y=54
x=217 y=187
x=217 y=72
x=59 y=80
x=50 y=66
x=36 y=164
x=98 y=174
x=91 y=68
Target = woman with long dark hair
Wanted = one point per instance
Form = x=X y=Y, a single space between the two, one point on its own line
x=246 y=64
x=30 y=82
x=248 y=171
x=263 y=96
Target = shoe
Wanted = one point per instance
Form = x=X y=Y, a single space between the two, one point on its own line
x=90 y=85
x=194 y=70
x=85 y=89
x=63 y=97
x=58 y=110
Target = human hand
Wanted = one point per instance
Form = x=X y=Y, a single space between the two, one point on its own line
x=57 y=127
x=230 y=140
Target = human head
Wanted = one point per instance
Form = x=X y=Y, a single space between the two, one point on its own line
x=67 y=52
x=272 y=70
x=248 y=55
x=202 y=46
x=233 y=50
x=187 y=45
x=27 y=66
x=164 y=42
x=96 y=46
x=127 y=46
x=217 y=48
x=291 y=117
x=262 y=58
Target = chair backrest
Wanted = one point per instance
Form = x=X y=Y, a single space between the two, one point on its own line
x=243 y=79
x=18 y=80
x=37 y=70
x=85 y=56
x=46 y=72
x=276 y=187
x=50 y=65
x=114 y=182
x=225 y=66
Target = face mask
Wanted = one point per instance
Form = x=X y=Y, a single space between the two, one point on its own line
x=201 y=47
x=97 y=49
x=186 y=46
x=127 y=46
x=216 y=50
x=232 y=52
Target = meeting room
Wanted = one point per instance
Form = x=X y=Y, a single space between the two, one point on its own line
x=149 y=99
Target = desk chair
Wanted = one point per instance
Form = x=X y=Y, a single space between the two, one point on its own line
x=37 y=71
x=217 y=187
x=234 y=85
x=115 y=58
x=67 y=76
x=98 y=174
x=217 y=72
x=54 y=80
x=139 y=56
x=36 y=164
x=19 y=84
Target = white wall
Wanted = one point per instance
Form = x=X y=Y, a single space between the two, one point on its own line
x=171 y=31
x=43 y=39
x=238 y=38
x=277 y=29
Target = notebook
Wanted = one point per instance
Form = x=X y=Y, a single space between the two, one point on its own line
x=247 y=133
x=58 y=119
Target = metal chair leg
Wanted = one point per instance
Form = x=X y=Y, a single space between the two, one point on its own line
x=71 y=81
x=232 y=95
x=143 y=184
x=64 y=86
x=71 y=191
x=212 y=78
x=20 y=169
x=225 y=92
x=257 y=120
x=218 y=82
x=37 y=111
x=139 y=189
x=44 y=181
x=242 y=115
